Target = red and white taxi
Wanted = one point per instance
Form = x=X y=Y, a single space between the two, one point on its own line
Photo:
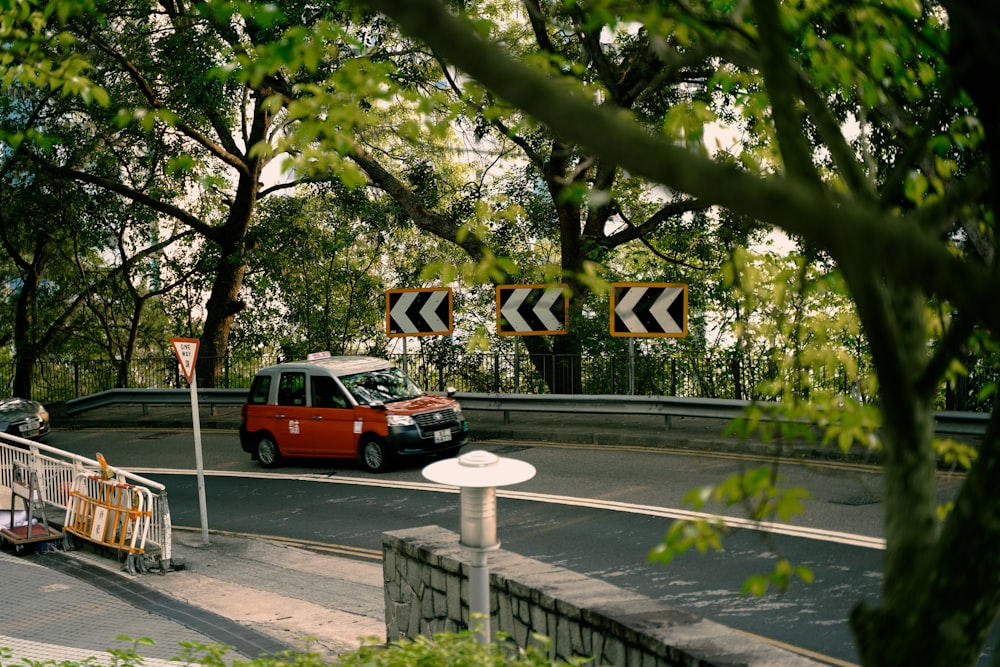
x=347 y=407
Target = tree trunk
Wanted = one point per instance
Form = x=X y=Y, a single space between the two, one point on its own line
x=224 y=302
x=941 y=582
x=222 y=307
x=128 y=350
x=24 y=319
x=24 y=363
x=24 y=372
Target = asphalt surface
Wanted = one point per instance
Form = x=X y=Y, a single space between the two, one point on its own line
x=637 y=430
x=253 y=595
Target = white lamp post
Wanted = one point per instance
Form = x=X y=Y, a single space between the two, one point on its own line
x=477 y=474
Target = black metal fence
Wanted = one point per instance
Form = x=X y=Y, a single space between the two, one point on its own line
x=707 y=376
x=644 y=373
x=55 y=380
x=647 y=375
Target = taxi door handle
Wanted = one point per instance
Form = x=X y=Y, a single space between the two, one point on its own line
x=280 y=415
x=318 y=418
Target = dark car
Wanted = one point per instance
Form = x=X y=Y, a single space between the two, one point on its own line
x=24 y=418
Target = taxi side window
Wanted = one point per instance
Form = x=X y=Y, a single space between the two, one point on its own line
x=326 y=393
x=260 y=389
x=292 y=389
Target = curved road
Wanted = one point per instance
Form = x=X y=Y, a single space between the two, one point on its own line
x=594 y=510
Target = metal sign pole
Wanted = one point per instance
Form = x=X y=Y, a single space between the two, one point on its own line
x=517 y=366
x=631 y=366
x=186 y=350
x=199 y=463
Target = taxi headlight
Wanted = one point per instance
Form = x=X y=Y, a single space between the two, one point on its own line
x=399 y=420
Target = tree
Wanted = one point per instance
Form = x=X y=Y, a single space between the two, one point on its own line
x=556 y=189
x=316 y=284
x=192 y=110
x=33 y=234
x=912 y=238
x=871 y=135
x=56 y=237
x=139 y=279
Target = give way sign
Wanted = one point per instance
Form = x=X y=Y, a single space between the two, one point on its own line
x=186 y=350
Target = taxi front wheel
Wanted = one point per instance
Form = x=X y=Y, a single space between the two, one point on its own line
x=267 y=452
x=373 y=455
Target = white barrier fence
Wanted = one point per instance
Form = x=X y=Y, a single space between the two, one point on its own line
x=63 y=480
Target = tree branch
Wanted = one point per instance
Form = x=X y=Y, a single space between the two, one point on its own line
x=427 y=220
x=780 y=80
x=830 y=220
x=195 y=223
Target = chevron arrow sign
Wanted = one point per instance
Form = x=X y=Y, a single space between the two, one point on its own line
x=532 y=310
x=649 y=309
x=418 y=312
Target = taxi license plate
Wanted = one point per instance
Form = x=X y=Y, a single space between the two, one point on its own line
x=29 y=429
x=442 y=436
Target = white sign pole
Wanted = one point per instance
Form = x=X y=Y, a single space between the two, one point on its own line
x=186 y=350
x=196 y=420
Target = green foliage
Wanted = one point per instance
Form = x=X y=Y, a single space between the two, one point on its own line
x=454 y=649
x=37 y=56
x=756 y=490
x=781 y=577
x=797 y=315
x=460 y=649
x=956 y=455
x=683 y=534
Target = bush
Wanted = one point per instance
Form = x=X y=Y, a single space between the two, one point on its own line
x=447 y=649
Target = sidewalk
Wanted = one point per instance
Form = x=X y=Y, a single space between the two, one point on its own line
x=258 y=597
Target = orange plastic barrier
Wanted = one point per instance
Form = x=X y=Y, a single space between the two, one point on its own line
x=110 y=513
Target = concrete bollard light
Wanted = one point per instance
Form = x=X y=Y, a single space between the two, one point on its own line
x=477 y=474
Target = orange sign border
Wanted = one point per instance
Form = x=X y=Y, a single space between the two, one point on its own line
x=629 y=334
x=451 y=315
x=188 y=372
x=542 y=286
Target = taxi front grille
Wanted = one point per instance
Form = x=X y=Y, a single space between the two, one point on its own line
x=437 y=420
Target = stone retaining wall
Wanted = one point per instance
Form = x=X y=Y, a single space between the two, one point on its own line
x=426 y=591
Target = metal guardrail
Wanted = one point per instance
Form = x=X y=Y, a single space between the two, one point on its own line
x=948 y=422
x=665 y=406
x=147 y=397
x=961 y=423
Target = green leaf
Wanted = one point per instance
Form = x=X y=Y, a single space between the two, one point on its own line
x=755 y=585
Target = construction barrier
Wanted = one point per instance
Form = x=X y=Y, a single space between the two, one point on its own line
x=111 y=513
x=55 y=472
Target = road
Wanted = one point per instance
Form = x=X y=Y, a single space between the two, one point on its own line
x=594 y=510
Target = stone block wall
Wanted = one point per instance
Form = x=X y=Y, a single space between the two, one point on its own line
x=426 y=591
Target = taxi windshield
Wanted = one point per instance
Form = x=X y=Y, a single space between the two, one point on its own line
x=383 y=386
